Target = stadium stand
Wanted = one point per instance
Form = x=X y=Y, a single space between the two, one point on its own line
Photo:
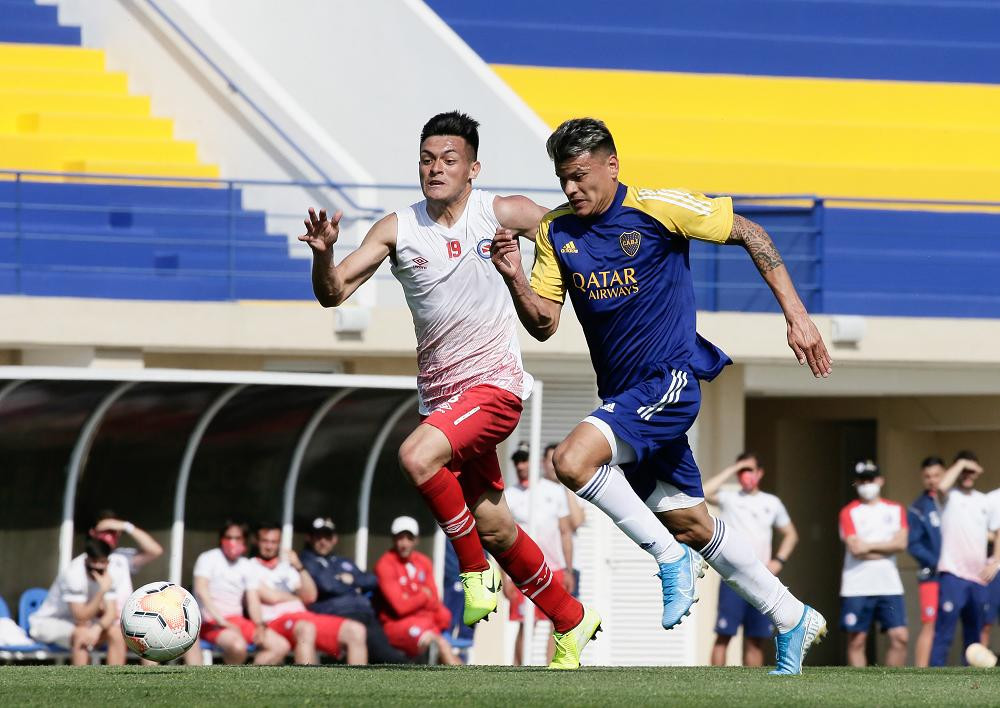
x=62 y=112
x=883 y=101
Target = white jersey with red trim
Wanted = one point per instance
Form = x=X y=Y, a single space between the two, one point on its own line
x=463 y=315
x=967 y=518
x=875 y=522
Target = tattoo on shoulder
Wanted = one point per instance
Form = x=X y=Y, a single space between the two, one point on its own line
x=758 y=244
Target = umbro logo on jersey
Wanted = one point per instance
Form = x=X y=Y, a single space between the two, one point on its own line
x=420 y=262
x=609 y=407
x=569 y=248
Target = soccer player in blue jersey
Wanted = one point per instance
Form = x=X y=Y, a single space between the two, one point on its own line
x=622 y=253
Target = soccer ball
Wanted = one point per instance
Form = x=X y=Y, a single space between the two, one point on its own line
x=161 y=621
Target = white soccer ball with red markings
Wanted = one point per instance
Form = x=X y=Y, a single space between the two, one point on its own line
x=161 y=621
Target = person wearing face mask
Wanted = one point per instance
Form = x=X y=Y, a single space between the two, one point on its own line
x=924 y=544
x=223 y=579
x=967 y=520
x=753 y=514
x=80 y=611
x=873 y=530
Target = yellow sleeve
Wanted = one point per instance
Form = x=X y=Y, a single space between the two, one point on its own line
x=546 y=278
x=689 y=214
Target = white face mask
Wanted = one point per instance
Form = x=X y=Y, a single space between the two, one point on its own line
x=869 y=490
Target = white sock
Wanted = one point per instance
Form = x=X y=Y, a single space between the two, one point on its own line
x=739 y=566
x=610 y=492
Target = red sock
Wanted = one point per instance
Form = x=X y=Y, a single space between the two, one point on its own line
x=526 y=566
x=443 y=495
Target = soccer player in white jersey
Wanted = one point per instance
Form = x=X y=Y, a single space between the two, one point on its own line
x=753 y=514
x=967 y=519
x=470 y=381
x=873 y=530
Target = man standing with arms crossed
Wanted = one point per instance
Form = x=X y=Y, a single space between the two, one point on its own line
x=753 y=514
x=470 y=382
x=622 y=253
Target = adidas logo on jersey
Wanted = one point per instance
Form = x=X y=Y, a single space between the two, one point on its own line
x=609 y=407
x=569 y=248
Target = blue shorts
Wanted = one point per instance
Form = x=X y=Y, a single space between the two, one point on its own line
x=734 y=611
x=654 y=417
x=992 y=600
x=858 y=613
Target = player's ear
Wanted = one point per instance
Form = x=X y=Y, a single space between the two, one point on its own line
x=474 y=169
x=613 y=165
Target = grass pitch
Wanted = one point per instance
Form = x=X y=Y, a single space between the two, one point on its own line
x=489 y=686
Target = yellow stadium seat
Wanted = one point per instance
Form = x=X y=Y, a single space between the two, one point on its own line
x=769 y=135
x=60 y=110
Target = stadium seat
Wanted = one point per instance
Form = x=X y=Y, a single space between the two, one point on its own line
x=31 y=599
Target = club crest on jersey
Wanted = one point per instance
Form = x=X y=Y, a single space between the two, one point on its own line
x=483 y=248
x=630 y=242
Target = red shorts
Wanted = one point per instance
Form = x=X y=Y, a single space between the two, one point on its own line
x=210 y=631
x=405 y=634
x=327 y=629
x=475 y=422
x=518 y=601
x=928 y=601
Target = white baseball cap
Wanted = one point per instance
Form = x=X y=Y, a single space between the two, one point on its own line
x=404 y=524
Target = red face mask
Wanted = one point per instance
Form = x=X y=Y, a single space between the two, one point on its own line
x=232 y=548
x=109 y=537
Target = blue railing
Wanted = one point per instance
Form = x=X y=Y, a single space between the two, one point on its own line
x=127 y=237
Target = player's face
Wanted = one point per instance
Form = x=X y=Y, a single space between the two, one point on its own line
x=589 y=182
x=324 y=544
x=749 y=478
x=233 y=543
x=931 y=476
x=404 y=543
x=967 y=479
x=549 y=467
x=447 y=167
x=523 y=470
x=268 y=543
x=98 y=566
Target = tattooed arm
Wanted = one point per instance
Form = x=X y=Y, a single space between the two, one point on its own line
x=803 y=337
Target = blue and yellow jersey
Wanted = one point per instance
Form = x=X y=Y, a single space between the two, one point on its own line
x=629 y=278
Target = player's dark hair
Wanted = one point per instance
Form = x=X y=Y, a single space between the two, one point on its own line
x=966 y=455
x=453 y=123
x=577 y=136
x=229 y=523
x=930 y=461
x=96 y=549
x=267 y=525
x=748 y=455
x=104 y=514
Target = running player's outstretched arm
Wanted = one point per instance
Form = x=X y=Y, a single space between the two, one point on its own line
x=539 y=315
x=519 y=214
x=803 y=337
x=334 y=283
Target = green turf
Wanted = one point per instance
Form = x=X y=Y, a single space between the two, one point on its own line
x=491 y=686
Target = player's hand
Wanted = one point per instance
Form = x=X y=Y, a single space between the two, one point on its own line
x=292 y=558
x=569 y=580
x=806 y=342
x=321 y=233
x=346 y=578
x=92 y=635
x=774 y=566
x=505 y=253
x=110 y=525
x=972 y=466
x=990 y=571
x=259 y=634
x=856 y=546
x=103 y=580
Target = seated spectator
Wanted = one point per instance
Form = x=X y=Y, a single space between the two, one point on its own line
x=81 y=610
x=343 y=589
x=410 y=611
x=223 y=581
x=284 y=586
x=873 y=530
